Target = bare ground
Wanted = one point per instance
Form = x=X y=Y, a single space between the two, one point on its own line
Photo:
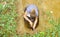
x=43 y=6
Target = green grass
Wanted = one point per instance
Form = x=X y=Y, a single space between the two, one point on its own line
x=7 y=19
x=8 y=24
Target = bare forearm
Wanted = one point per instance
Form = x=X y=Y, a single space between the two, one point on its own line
x=27 y=19
x=35 y=22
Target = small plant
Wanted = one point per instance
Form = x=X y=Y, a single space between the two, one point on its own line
x=42 y=34
x=36 y=35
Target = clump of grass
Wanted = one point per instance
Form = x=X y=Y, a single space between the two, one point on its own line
x=55 y=26
x=7 y=18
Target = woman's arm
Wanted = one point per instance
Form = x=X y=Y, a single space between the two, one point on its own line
x=35 y=22
x=26 y=18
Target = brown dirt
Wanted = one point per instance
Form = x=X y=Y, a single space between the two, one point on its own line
x=43 y=6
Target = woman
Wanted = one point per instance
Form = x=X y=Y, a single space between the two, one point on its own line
x=31 y=15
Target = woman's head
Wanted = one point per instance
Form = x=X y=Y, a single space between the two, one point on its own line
x=32 y=13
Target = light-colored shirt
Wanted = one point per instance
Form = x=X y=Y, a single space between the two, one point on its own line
x=30 y=8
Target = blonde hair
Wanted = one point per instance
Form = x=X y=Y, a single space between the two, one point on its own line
x=33 y=13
